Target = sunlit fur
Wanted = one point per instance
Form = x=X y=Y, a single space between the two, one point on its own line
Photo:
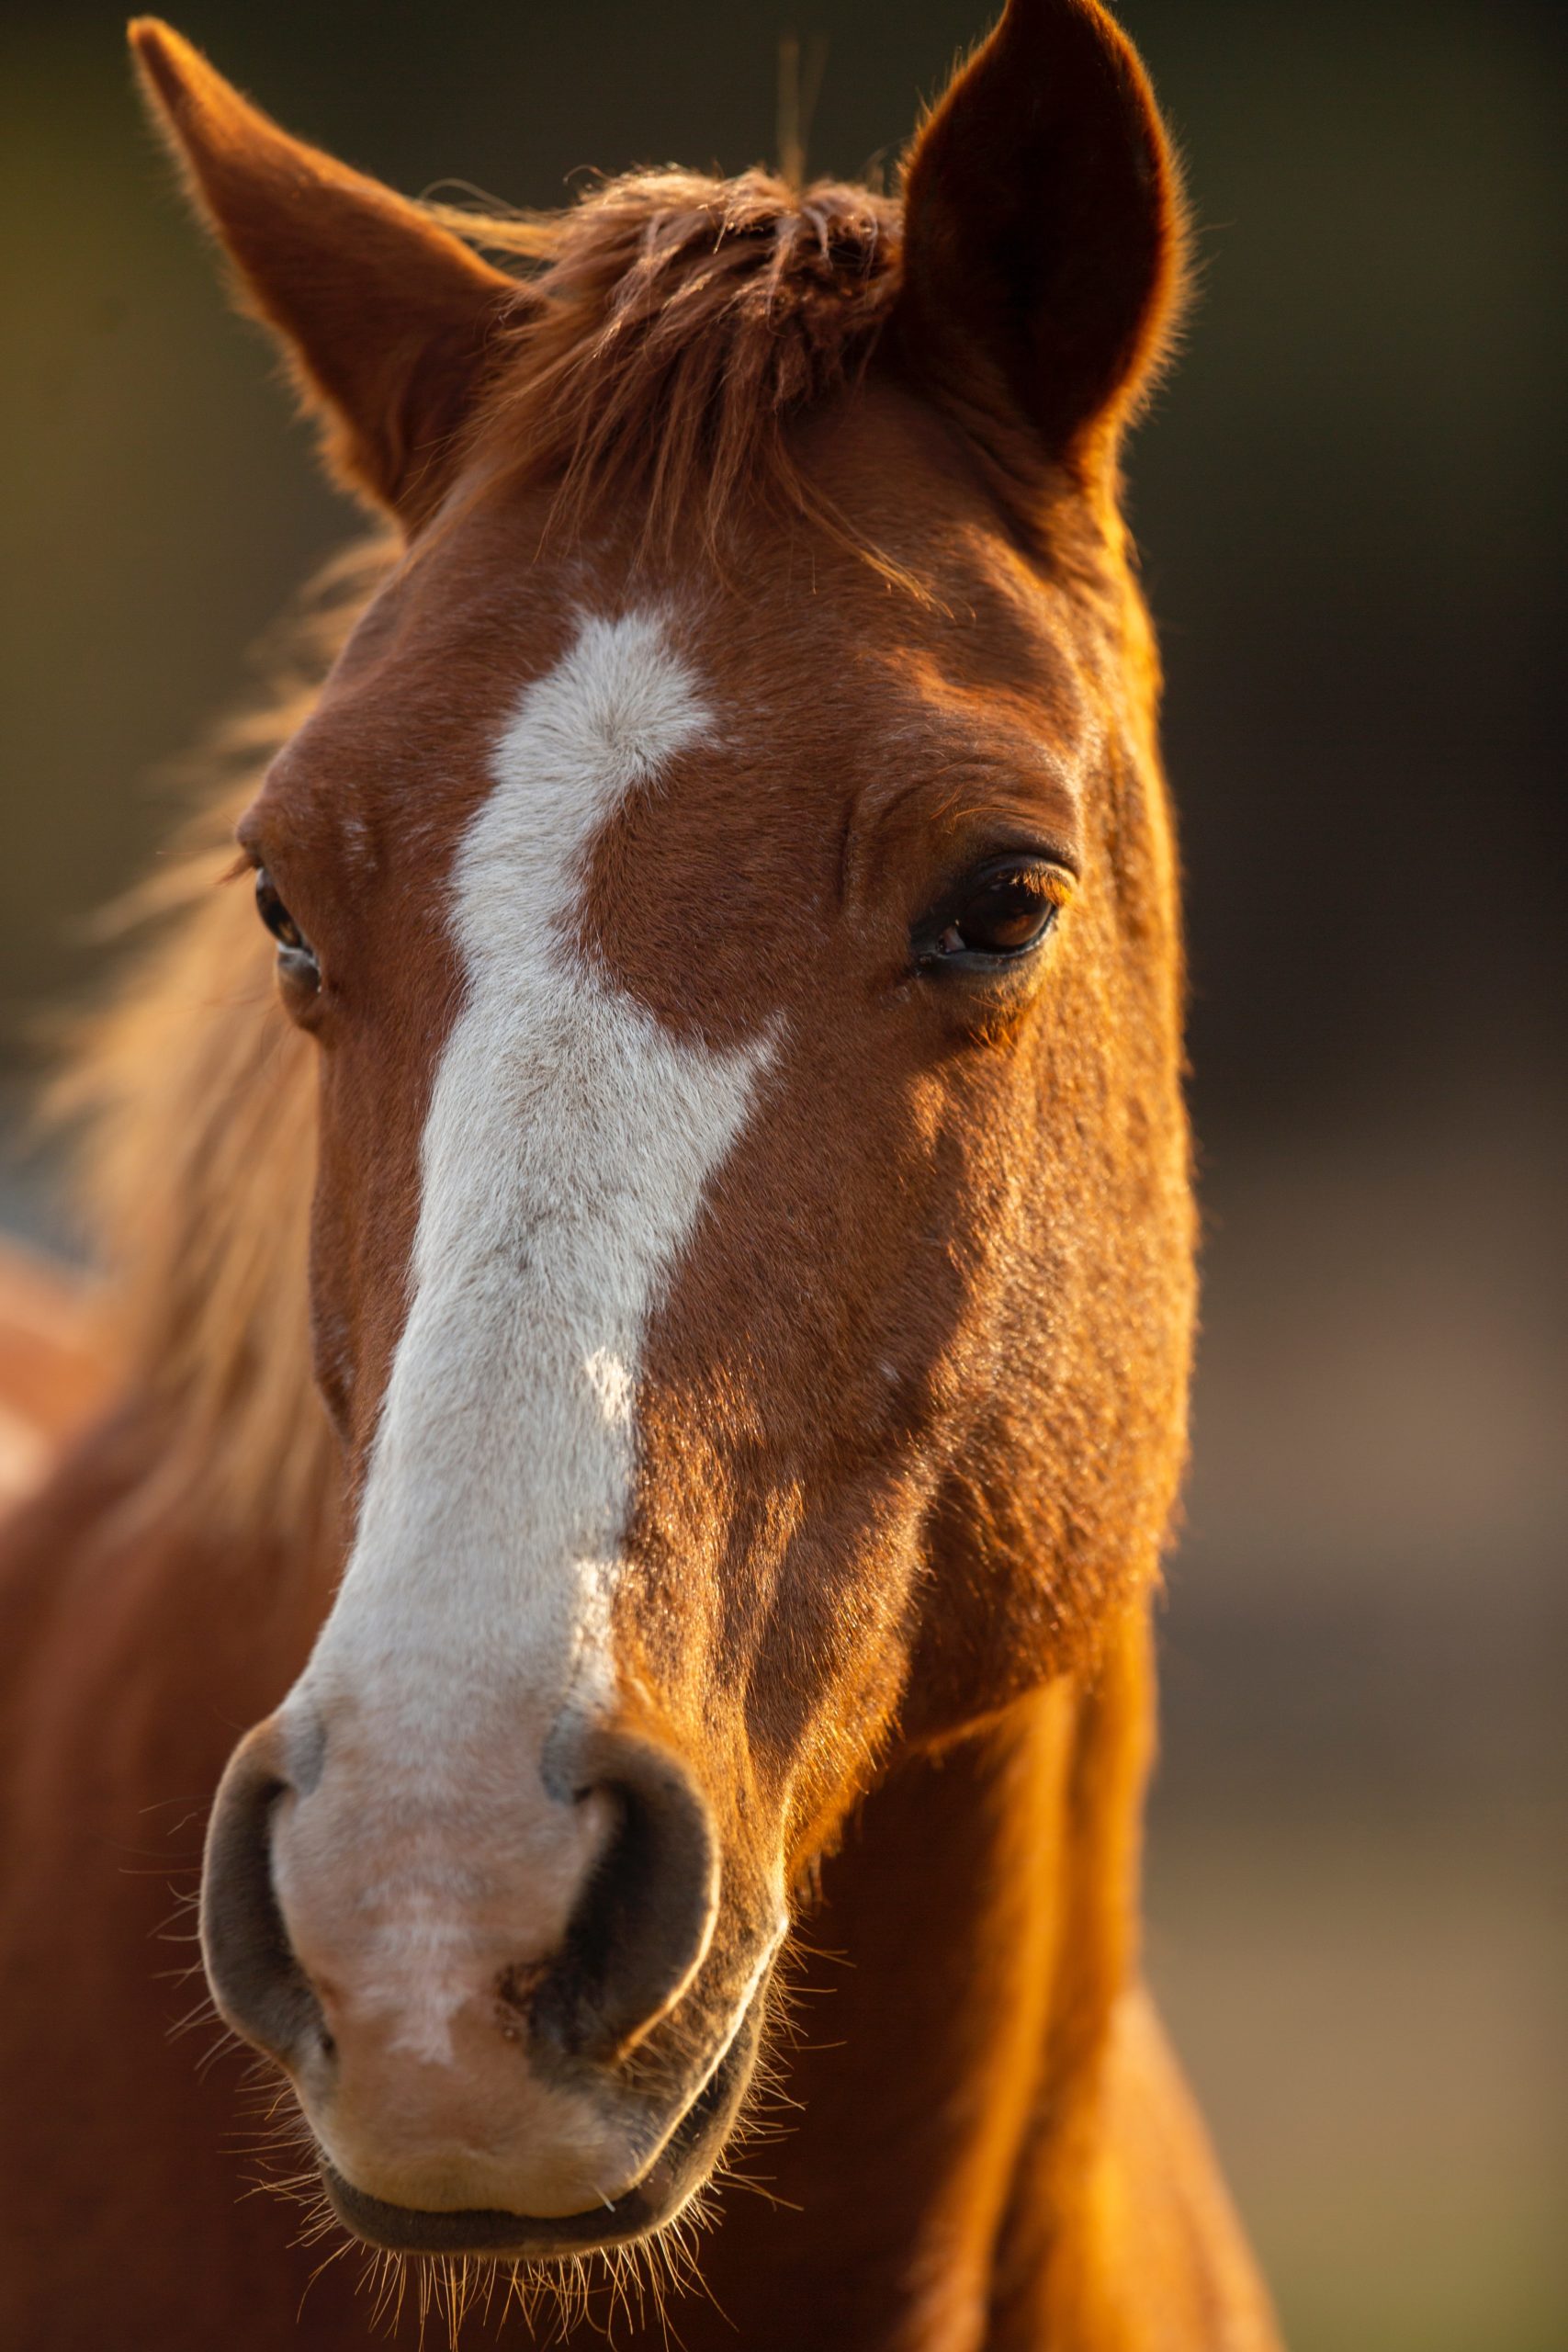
x=792 y=405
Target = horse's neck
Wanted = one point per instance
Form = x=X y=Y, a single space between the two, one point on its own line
x=973 y=1943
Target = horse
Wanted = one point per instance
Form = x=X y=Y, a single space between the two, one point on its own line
x=653 y=1309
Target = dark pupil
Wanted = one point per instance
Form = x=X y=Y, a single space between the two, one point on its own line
x=1008 y=914
x=276 y=915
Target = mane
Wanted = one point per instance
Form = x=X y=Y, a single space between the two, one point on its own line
x=196 y=1100
x=669 y=326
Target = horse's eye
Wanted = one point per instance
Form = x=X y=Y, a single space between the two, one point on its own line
x=295 y=952
x=998 y=913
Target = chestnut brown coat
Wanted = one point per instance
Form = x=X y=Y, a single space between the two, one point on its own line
x=654 y=1358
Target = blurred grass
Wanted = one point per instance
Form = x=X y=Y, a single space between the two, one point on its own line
x=1370 y=2020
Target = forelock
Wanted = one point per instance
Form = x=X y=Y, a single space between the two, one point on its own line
x=668 y=326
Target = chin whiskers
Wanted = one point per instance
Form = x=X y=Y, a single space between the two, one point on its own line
x=438 y=2301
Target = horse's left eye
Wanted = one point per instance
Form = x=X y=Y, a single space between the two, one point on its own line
x=295 y=951
x=998 y=913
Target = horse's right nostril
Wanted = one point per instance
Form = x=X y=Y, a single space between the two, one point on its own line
x=644 y=1923
x=260 y=1988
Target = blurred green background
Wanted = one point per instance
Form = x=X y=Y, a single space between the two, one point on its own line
x=1351 y=499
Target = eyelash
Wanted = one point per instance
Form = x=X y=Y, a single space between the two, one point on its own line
x=1019 y=892
x=297 y=960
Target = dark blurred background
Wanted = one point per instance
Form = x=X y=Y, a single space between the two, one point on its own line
x=1351 y=502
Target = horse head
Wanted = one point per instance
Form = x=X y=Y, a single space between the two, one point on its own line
x=728 y=881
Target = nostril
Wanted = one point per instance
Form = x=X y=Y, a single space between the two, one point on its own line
x=259 y=1986
x=644 y=1923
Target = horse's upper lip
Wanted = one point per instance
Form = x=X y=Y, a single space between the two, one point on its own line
x=680 y=2167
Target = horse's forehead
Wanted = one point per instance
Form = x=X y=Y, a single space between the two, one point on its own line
x=815 y=677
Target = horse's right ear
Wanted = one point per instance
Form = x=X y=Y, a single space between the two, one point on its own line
x=1042 y=241
x=385 y=319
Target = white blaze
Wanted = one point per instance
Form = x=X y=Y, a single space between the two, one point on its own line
x=568 y=1145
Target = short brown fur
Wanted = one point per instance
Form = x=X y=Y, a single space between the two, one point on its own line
x=905 y=1645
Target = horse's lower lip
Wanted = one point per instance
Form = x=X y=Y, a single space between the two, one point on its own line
x=681 y=2164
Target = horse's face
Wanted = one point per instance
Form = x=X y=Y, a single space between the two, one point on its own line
x=750 y=1274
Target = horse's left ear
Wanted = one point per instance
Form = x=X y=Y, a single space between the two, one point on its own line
x=1041 y=239
x=386 y=319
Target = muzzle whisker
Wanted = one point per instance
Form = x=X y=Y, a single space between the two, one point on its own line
x=201 y=2012
x=326 y=2263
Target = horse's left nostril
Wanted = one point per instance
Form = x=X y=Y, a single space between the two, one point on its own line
x=643 y=1924
x=259 y=1986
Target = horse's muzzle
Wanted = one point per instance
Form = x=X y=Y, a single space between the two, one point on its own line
x=456 y=2001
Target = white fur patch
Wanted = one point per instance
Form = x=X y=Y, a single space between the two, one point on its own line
x=568 y=1146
